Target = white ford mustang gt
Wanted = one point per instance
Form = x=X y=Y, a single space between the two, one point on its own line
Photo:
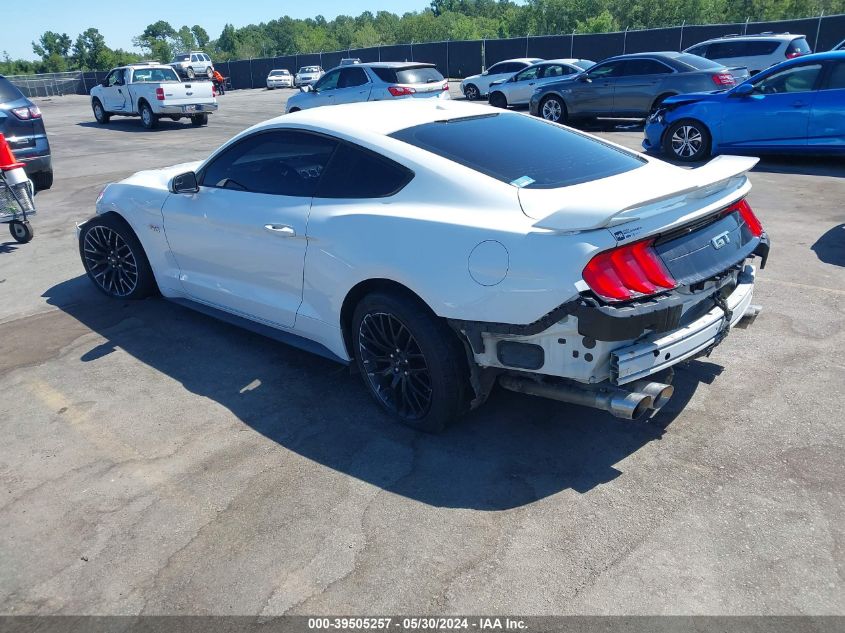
x=443 y=248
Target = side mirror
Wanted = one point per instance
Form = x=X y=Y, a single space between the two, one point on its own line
x=104 y=83
x=743 y=90
x=485 y=73
x=306 y=88
x=584 y=78
x=184 y=183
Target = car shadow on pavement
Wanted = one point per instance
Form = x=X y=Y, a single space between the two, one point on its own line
x=133 y=124
x=830 y=247
x=514 y=450
x=774 y=164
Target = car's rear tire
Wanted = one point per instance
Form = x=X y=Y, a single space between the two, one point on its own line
x=209 y=72
x=553 y=109
x=42 y=180
x=114 y=259
x=472 y=93
x=199 y=119
x=148 y=118
x=498 y=100
x=687 y=140
x=102 y=117
x=190 y=74
x=412 y=363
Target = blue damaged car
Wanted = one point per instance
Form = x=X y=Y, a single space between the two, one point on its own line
x=797 y=106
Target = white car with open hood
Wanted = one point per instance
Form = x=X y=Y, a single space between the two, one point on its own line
x=425 y=243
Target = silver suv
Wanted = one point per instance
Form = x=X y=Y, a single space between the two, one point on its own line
x=755 y=52
x=193 y=64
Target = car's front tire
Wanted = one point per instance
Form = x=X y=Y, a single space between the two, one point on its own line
x=687 y=140
x=472 y=93
x=114 y=259
x=498 y=100
x=412 y=363
x=100 y=113
x=553 y=109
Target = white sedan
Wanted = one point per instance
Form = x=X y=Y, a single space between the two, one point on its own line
x=279 y=78
x=431 y=245
x=518 y=89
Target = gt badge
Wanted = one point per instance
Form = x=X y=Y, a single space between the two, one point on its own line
x=721 y=240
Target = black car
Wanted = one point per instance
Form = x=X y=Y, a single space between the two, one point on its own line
x=23 y=127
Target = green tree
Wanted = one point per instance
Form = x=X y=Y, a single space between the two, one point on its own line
x=90 y=51
x=157 y=40
x=52 y=46
x=200 y=35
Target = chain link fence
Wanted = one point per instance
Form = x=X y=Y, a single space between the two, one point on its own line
x=459 y=59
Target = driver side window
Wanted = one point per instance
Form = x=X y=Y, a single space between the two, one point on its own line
x=115 y=78
x=328 y=81
x=528 y=73
x=795 y=79
x=282 y=163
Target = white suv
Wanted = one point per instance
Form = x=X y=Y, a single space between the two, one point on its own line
x=193 y=64
x=478 y=86
x=755 y=52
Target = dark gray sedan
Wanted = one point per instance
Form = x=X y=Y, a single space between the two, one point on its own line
x=629 y=86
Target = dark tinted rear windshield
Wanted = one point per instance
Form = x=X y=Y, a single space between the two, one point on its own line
x=521 y=150
x=699 y=63
x=8 y=91
x=418 y=75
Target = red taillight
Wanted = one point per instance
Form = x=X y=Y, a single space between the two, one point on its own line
x=400 y=91
x=445 y=86
x=628 y=271
x=213 y=91
x=747 y=216
x=27 y=113
x=160 y=94
x=723 y=79
x=794 y=54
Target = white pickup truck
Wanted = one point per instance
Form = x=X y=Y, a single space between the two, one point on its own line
x=152 y=91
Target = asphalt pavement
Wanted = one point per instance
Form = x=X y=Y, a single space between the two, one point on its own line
x=157 y=461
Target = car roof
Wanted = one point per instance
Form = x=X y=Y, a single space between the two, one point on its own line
x=397 y=65
x=565 y=60
x=755 y=37
x=527 y=60
x=381 y=118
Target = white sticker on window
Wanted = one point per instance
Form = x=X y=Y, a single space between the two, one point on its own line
x=522 y=182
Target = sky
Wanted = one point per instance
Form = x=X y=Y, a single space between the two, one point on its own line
x=119 y=24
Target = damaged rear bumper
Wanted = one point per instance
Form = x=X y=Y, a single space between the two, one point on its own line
x=657 y=352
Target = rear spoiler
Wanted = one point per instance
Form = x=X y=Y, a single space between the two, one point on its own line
x=695 y=183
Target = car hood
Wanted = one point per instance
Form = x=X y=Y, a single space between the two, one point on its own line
x=695 y=97
x=159 y=178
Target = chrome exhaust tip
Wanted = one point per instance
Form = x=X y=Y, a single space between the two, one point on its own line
x=630 y=406
x=660 y=392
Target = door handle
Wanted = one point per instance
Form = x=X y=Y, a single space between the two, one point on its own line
x=281 y=229
x=799 y=104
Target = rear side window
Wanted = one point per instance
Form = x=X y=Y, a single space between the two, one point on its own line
x=358 y=173
x=182 y=58
x=520 y=150
x=284 y=163
x=761 y=48
x=350 y=77
x=836 y=80
x=645 y=67
x=700 y=50
x=724 y=50
x=8 y=91
x=799 y=47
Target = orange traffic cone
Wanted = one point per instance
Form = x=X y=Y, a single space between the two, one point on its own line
x=11 y=168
